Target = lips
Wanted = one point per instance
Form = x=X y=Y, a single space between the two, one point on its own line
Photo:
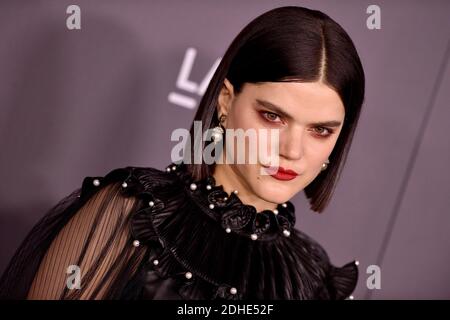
x=282 y=173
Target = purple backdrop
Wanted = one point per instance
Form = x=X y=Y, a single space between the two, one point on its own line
x=80 y=102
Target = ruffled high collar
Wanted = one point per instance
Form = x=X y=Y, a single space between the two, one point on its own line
x=232 y=214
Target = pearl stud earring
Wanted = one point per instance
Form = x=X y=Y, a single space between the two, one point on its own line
x=218 y=131
x=325 y=165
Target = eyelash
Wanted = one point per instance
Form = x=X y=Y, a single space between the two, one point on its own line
x=265 y=113
x=330 y=132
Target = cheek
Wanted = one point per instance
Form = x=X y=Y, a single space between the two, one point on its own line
x=318 y=149
x=249 y=173
x=269 y=146
x=248 y=120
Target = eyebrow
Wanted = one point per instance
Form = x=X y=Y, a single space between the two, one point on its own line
x=281 y=112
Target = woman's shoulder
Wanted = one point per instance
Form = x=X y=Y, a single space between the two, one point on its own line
x=100 y=208
x=133 y=179
x=127 y=173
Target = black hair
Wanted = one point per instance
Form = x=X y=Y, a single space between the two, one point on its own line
x=291 y=44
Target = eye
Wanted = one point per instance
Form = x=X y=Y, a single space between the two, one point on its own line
x=270 y=116
x=323 y=132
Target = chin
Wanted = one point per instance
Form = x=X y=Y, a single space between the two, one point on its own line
x=274 y=193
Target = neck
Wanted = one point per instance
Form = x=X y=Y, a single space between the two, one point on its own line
x=230 y=181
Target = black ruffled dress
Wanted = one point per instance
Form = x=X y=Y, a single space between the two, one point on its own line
x=143 y=233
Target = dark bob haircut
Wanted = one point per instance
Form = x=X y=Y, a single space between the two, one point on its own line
x=291 y=44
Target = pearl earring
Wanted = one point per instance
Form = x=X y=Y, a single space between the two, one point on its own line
x=218 y=131
x=325 y=165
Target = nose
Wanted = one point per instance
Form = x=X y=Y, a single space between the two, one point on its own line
x=291 y=144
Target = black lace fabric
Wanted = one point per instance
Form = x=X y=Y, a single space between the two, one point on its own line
x=143 y=233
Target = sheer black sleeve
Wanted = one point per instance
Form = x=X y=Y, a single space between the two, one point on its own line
x=89 y=232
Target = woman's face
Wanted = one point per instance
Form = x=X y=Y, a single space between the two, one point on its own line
x=309 y=117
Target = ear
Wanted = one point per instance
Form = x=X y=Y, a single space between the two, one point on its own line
x=225 y=99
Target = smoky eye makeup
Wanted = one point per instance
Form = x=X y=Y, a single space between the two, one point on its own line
x=328 y=131
x=272 y=117
x=268 y=116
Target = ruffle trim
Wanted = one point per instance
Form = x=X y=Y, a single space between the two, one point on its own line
x=233 y=215
x=342 y=281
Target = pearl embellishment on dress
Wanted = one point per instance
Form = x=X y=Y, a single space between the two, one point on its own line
x=254 y=236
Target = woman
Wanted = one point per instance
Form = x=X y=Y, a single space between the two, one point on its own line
x=217 y=231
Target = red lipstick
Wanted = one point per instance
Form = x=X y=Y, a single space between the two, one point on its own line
x=282 y=173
